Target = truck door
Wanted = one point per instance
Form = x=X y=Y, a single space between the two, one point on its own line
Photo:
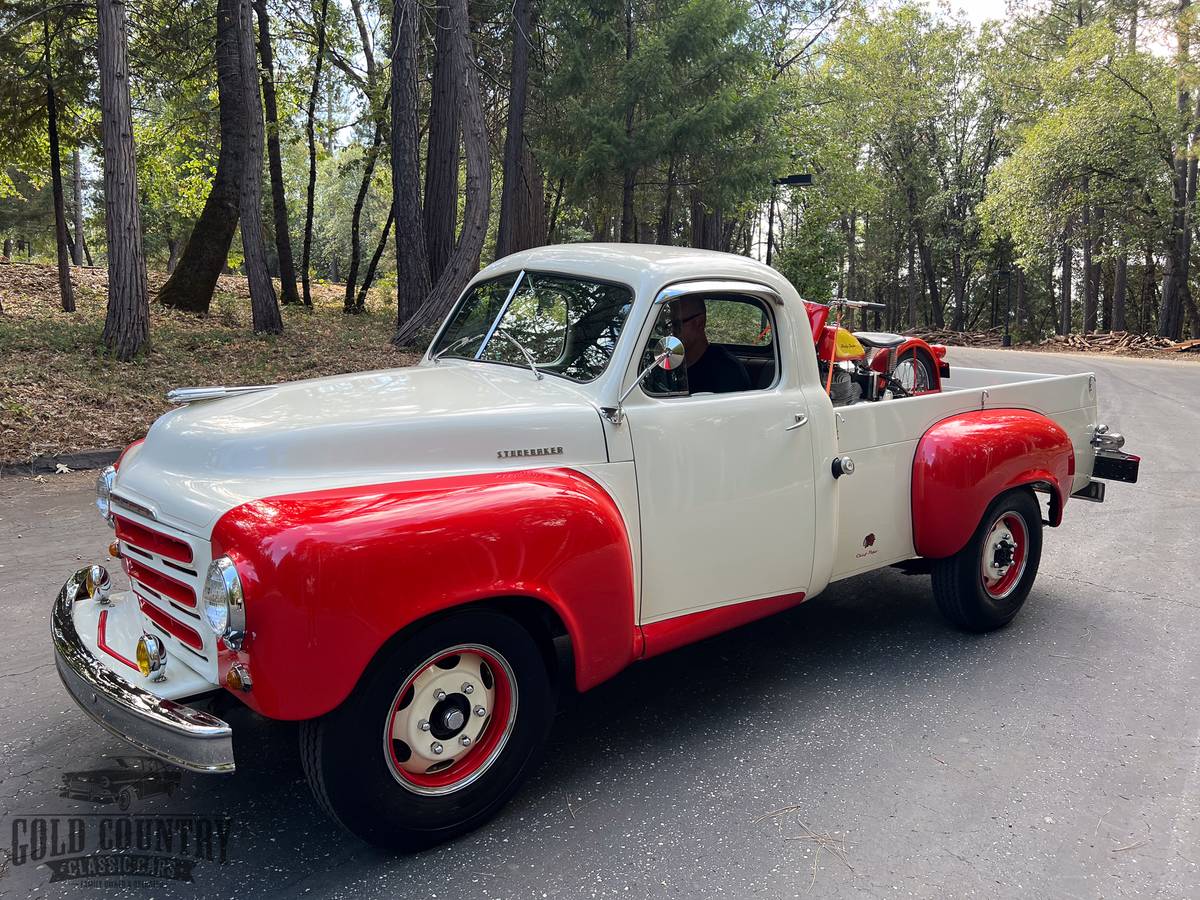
x=724 y=460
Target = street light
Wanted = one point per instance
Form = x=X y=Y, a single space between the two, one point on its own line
x=803 y=179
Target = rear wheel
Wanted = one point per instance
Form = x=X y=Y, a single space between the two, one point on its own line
x=437 y=736
x=914 y=373
x=984 y=585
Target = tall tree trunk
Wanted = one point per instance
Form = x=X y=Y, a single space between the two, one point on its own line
x=306 y=253
x=361 y=302
x=77 y=204
x=1021 y=302
x=1089 y=275
x=465 y=261
x=172 y=254
x=707 y=227
x=629 y=181
x=960 y=289
x=263 y=305
x=412 y=262
x=552 y=225
x=1175 y=273
x=936 y=315
x=667 y=216
x=522 y=203
x=911 y=312
x=191 y=285
x=1120 y=290
x=349 y=305
x=283 y=237
x=1068 y=264
x=60 y=211
x=127 y=322
x=439 y=215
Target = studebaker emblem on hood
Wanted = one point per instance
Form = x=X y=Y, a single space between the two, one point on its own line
x=535 y=451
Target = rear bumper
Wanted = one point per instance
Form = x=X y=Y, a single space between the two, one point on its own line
x=174 y=733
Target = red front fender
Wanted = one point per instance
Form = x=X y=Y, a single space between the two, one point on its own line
x=330 y=576
x=963 y=463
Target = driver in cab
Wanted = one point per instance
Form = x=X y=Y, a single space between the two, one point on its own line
x=711 y=369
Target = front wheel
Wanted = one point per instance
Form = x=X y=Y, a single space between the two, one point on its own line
x=984 y=585
x=439 y=733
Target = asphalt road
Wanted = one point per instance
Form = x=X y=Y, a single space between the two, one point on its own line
x=853 y=747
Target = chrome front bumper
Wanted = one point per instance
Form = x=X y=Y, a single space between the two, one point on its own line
x=163 y=728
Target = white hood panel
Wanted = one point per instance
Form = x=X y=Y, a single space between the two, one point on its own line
x=375 y=427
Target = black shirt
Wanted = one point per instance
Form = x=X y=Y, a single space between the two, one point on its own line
x=717 y=371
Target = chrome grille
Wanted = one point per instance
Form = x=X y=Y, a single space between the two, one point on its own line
x=175 y=618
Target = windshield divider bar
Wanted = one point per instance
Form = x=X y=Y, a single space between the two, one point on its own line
x=500 y=315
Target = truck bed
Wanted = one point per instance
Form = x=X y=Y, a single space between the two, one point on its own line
x=874 y=505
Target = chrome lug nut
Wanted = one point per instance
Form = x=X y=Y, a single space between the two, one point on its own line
x=480 y=711
x=465 y=741
x=439 y=695
x=468 y=688
x=436 y=748
x=423 y=725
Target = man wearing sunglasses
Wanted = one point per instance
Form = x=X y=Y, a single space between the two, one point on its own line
x=711 y=369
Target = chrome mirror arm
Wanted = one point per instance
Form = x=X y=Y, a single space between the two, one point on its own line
x=616 y=414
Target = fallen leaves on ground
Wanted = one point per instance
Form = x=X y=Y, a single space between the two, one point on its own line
x=61 y=392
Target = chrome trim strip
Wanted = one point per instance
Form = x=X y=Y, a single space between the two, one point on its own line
x=717 y=286
x=196 y=394
x=123 y=501
x=177 y=734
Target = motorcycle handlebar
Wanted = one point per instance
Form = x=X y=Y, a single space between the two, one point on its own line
x=860 y=304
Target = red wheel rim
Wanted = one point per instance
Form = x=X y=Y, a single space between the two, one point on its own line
x=438 y=706
x=1005 y=552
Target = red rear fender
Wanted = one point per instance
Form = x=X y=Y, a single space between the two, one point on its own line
x=963 y=463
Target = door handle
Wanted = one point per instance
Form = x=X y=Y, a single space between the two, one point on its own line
x=801 y=420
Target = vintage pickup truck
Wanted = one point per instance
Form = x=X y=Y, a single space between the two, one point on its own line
x=607 y=452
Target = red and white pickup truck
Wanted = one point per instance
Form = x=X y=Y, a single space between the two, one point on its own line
x=608 y=451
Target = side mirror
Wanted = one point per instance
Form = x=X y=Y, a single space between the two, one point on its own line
x=668 y=356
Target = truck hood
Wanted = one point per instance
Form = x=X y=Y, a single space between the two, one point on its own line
x=199 y=461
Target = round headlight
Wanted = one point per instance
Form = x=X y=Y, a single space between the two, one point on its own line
x=104 y=486
x=223 y=597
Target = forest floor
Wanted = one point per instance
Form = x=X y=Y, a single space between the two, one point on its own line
x=61 y=393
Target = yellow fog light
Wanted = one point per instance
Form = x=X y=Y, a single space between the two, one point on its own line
x=96 y=583
x=152 y=657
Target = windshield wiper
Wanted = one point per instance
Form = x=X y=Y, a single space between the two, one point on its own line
x=525 y=353
x=449 y=347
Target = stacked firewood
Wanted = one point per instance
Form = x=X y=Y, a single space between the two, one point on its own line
x=990 y=338
x=1115 y=342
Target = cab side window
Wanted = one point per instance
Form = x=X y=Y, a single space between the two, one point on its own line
x=729 y=342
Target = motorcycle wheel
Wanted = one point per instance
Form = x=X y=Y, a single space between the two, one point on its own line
x=984 y=585
x=914 y=373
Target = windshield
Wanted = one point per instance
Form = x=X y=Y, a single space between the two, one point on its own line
x=569 y=326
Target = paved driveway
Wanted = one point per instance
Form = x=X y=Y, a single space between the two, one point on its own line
x=853 y=747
